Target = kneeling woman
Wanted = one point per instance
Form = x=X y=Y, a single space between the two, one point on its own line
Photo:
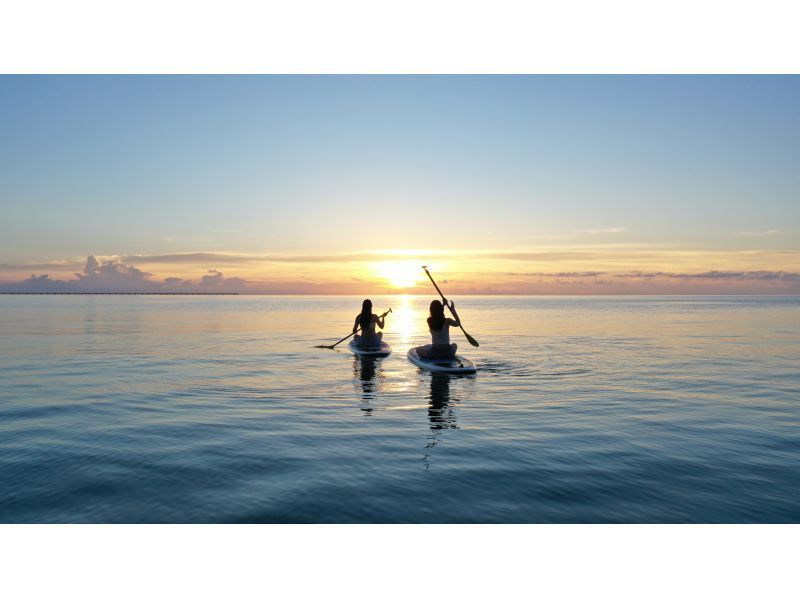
x=440 y=347
x=366 y=320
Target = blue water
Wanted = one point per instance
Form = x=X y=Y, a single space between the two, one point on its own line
x=219 y=409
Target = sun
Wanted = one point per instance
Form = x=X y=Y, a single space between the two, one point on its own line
x=400 y=274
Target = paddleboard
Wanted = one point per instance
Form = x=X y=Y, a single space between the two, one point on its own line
x=455 y=365
x=383 y=351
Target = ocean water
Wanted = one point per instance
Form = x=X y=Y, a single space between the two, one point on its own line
x=218 y=409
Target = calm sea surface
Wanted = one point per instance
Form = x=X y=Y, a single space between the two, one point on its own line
x=218 y=409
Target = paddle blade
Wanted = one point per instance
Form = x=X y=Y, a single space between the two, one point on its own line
x=471 y=340
x=323 y=346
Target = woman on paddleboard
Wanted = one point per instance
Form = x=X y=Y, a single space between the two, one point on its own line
x=440 y=347
x=366 y=320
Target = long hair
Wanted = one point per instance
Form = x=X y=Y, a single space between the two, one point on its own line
x=436 y=321
x=366 y=314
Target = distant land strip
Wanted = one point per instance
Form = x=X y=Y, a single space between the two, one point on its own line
x=103 y=293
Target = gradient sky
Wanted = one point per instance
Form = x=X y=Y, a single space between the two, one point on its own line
x=552 y=184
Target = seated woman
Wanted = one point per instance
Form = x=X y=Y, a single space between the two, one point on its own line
x=440 y=347
x=366 y=320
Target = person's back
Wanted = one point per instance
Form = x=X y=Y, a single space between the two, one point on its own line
x=439 y=326
x=368 y=336
x=441 y=336
x=366 y=321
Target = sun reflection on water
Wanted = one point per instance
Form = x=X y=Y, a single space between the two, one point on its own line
x=403 y=320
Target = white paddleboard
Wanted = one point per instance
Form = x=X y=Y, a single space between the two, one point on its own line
x=383 y=351
x=454 y=365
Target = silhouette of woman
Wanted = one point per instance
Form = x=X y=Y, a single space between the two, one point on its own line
x=367 y=321
x=439 y=326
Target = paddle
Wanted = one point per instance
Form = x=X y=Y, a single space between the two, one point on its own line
x=471 y=340
x=383 y=315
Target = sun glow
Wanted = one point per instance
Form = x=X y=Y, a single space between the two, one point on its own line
x=400 y=274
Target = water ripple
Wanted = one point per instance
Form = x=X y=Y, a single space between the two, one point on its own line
x=658 y=409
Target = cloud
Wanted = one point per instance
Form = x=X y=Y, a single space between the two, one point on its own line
x=42 y=283
x=560 y=237
x=545 y=256
x=602 y=231
x=576 y=271
x=111 y=275
x=639 y=274
x=215 y=280
x=65 y=265
x=586 y=274
x=187 y=258
x=597 y=256
x=756 y=275
x=244 y=258
x=577 y=274
x=115 y=276
x=634 y=282
x=757 y=233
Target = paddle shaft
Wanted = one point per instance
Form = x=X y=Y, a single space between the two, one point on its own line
x=383 y=315
x=471 y=340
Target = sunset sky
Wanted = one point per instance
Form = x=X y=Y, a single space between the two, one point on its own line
x=347 y=184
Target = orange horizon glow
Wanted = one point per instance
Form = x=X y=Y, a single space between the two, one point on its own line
x=563 y=269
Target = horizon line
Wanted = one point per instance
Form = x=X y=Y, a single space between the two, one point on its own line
x=578 y=295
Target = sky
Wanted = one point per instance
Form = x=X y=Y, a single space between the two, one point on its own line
x=347 y=184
